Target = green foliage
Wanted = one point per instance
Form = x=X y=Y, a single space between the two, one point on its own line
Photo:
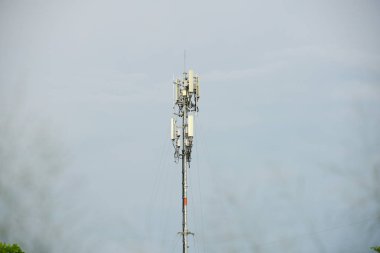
x=374 y=248
x=7 y=248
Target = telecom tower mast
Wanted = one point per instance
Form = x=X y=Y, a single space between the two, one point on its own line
x=186 y=96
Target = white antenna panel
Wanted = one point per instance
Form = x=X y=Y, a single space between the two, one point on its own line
x=176 y=90
x=198 y=93
x=185 y=82
x=190 y=126
x=172 y=129
x=191 y=81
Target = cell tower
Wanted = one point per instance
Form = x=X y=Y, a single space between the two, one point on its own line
x=186 y=97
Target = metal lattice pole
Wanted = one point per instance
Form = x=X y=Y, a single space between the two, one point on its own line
x=186 y=98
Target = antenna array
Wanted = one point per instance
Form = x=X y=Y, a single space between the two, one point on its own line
x=186 y=97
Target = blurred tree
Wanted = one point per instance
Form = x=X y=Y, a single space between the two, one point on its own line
x=7 y=248
x=362 y=177
x=29 y=163
x=358 y=177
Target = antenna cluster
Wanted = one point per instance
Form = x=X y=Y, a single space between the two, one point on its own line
x=186 y=97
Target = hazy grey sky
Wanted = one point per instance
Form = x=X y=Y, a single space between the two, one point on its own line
x=290 y=89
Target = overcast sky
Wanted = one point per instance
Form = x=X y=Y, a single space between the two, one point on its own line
x=290 y=94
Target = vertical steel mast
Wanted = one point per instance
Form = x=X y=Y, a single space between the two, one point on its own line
x=186 y=97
